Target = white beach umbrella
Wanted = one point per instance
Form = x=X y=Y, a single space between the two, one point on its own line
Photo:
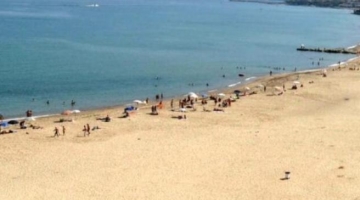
x=30 y=119
x=75 y=111
x=247 y=88
x=296 y=82
x=192 y=95
x=139 y=102
x=221 y=95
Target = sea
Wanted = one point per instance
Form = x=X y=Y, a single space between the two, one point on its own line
x=111 y=52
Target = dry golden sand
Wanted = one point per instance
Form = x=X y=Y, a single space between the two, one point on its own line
x=313 y=132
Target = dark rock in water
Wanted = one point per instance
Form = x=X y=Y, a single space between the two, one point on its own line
x=241 y=75
x=357 y=12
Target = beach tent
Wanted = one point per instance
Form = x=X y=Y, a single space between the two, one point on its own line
x=192 y=95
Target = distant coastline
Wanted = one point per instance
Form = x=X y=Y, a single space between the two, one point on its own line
x=355 y=6
x=260 y=1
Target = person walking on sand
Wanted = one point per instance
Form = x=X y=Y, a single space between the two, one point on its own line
x=172 y=103
x=85 y=130
x=63 y=130
x=88 y=129
x=56 y=130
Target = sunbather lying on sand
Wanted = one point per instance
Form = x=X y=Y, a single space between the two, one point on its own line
x=36 y=127
x=6 y=132
x=105 y=119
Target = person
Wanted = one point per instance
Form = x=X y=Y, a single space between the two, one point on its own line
x=85 y=130
x=265 y=88
x=88 y=129
x=147 y=100
x=56 y=130
x=63 y=130
x=22 y=125
x=73 y=103
x=172 y=103
x=35 y=127
x=107 y=118
x=270 y=73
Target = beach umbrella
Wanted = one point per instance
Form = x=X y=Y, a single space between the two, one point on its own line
x=75 y=111
x=138 y=101
x=247 y=88
x=237 y=91
x=30 y=119
x=204 y=95
x=296 y=82
x=192 y=95
x=221 y=95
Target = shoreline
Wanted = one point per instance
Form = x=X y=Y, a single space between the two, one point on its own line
x=228 y=90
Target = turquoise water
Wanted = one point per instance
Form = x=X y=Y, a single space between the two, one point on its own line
x=111 y=54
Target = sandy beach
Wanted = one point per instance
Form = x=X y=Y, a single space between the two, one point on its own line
x=242 y=153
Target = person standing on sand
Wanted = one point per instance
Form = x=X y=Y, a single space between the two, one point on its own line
x=56 y=130
x=270 y=73
x=63 y=130
x=172 y=103
x=88 y=129
x=85 y=130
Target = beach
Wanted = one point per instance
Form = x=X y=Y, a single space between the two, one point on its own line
x=241 y=153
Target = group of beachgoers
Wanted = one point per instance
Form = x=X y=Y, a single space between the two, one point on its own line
x=188 y=102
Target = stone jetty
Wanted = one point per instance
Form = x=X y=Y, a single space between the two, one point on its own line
x=325 y=50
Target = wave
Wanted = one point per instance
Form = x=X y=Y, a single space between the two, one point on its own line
x=34 y=15
x=93 y=5
x=235 y=84
x=247 y=79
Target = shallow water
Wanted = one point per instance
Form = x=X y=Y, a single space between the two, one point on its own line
x=112 y=54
